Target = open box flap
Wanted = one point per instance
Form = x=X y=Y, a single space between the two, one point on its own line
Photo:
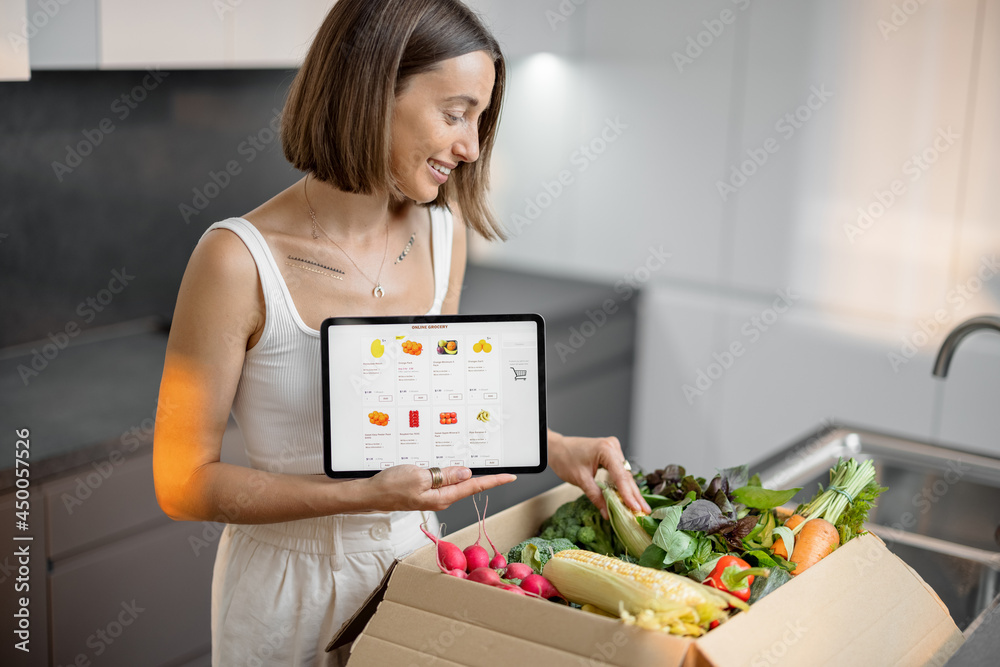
x=451 y=638
x=862 y=607
x=588 y=636
x=375 y=652
x=350 y=630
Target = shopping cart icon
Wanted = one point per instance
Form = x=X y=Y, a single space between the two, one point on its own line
x=519 y=374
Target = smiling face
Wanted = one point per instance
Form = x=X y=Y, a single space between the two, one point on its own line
x=435 y=123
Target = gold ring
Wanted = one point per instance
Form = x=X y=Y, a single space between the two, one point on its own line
x=437 y=479
x=627 y=465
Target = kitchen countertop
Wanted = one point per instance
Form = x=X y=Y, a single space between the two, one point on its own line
x=85 y=402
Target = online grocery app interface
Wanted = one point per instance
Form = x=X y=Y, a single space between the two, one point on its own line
x=435 y=393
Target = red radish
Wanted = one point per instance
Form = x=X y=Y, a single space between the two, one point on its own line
x=475 y=555
x=513 y=589
x=539 y=585
x=485 y=575
x=517 y=571
x=449 y=557
x=498 y=562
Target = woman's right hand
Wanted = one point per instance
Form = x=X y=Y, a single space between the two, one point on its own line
x=408 y=487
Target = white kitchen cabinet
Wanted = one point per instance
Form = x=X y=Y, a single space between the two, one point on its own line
x=64 y=34
x=13 y=53
x=268 y=35
x=137 y=34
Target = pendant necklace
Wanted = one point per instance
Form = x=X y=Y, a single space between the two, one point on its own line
x=377 y=291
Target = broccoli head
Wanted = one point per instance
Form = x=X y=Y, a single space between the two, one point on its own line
x=537 y=551
x=580 y=521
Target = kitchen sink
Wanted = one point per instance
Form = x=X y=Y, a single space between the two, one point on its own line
x=940 y=515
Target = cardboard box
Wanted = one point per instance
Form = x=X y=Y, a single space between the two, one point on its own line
x=859 y=606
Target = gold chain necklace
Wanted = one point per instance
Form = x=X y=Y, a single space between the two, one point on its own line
x=377 y=292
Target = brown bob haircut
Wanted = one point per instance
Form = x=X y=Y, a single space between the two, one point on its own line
x=336 y=124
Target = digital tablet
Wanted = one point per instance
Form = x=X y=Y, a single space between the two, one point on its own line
x=434 y=391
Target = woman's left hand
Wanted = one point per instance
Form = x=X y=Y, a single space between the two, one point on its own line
x=576 y=460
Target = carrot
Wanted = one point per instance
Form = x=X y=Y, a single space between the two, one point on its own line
x=817 y=539
x=779 y=545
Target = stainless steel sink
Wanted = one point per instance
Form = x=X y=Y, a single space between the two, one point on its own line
x=941 y=514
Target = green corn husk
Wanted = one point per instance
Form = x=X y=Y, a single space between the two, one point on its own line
x=633 y=536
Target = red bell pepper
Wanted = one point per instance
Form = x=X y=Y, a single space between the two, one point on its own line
x=734 y=575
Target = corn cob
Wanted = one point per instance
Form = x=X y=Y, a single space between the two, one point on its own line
x=653 y=599
x=633 y=536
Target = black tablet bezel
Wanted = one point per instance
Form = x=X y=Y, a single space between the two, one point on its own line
x=435 y=319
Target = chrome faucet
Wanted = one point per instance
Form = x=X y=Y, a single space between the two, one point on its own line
x=950 y=343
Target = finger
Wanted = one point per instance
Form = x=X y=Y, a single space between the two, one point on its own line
x=589 y=487
x=455 y=474
x=469 y=487
x=614 y=463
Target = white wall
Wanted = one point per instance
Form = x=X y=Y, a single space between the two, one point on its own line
x=892 y=86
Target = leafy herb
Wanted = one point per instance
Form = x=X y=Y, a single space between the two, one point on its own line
x=763 y=499
x=851 y=522
x=706 y=516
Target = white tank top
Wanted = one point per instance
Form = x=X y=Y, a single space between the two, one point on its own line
x=278 y=402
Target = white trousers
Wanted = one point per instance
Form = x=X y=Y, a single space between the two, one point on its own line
x=281 y=591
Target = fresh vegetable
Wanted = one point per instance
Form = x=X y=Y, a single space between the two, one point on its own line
x=536 y=551
x=848 y=498
x=581 y=522
x=780 y=548
x=650 y=598
x=475 y=555
x=518 y=571
x=734 y=575
x=450 y=558
x=498 y=562
x=763 y=586
x=623 y=521
x=485 y=575
x=817 y=539
x=539 y=585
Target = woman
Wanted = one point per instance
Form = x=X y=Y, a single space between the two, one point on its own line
x=392 y=117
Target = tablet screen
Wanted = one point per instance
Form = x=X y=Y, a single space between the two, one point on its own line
x=434 y=391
